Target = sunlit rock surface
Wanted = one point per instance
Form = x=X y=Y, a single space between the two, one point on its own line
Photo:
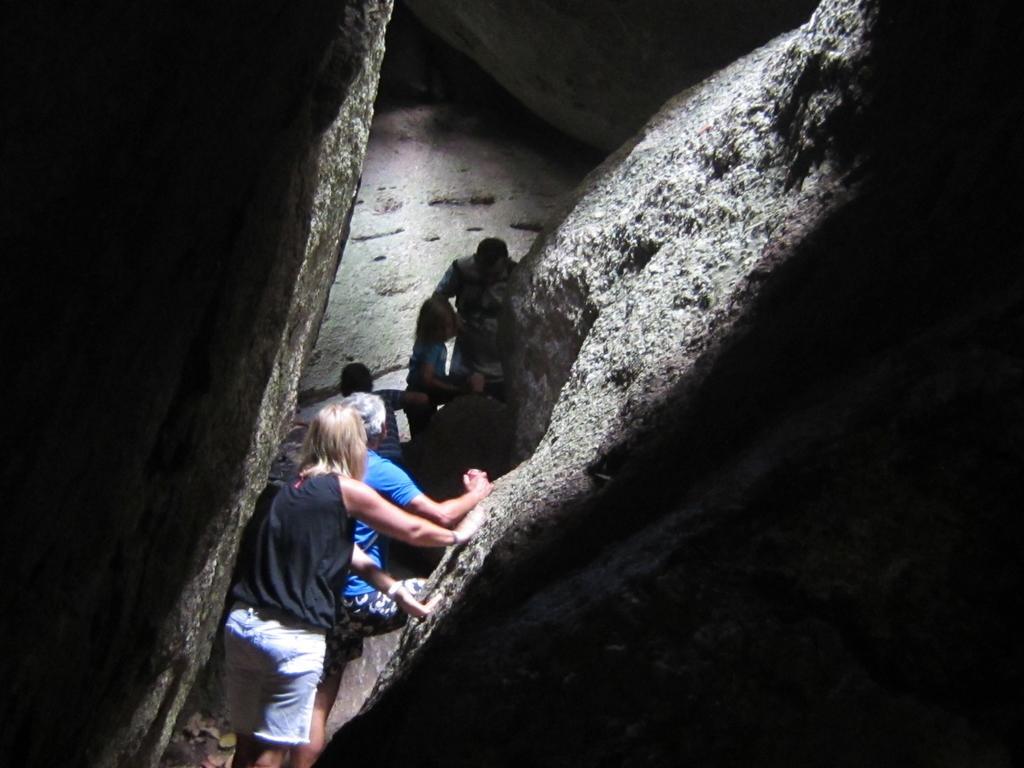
x=175 y=183
x=599 y=69
x=438 y=178
x=774 y=516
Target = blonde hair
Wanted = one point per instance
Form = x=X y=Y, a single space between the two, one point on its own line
x=335 y=444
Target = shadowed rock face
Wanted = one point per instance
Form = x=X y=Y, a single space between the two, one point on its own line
x=468 y=432
x=598 y=69
x=174 y=191
x=773 y=513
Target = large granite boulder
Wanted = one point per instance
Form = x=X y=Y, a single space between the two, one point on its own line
x=174 y=192
x=598 y=69
x=775 y=351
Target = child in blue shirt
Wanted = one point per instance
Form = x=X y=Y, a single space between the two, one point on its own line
x=435 y=325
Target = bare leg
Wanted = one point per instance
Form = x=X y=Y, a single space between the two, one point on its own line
x=256 y=753
x=304 y=755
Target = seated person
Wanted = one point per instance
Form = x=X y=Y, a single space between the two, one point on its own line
x=435 y=325
x=356 y=377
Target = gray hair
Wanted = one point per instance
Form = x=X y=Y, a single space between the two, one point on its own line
x=371 y=409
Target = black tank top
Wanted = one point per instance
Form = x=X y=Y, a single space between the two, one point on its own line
x=300 y=554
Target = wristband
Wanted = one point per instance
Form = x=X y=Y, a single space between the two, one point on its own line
x=393 y=589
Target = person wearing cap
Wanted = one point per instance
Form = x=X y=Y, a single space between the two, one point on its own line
x=478 y=283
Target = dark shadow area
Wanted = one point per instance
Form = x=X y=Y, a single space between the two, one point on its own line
x=421 y=68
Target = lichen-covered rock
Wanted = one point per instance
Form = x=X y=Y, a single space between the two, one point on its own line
x=623 y=294
x=774 y=516
x=160 y=169
x=599 y=69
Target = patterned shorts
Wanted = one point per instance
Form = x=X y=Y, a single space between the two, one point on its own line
x=363 y=616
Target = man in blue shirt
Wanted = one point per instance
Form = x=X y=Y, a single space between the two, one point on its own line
x=392 y=482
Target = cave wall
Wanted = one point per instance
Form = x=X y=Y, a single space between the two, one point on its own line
x=176 y=181
x=598 y=69
x=772 y=517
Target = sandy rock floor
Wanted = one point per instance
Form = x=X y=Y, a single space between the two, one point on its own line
x=437 y=179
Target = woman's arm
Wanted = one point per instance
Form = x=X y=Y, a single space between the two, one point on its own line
x=436 y=383
x=365 y=504
x=364 y=565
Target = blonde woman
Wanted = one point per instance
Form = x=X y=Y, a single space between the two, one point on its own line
x=284 y=600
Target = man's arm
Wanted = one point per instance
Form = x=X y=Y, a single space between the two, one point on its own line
x=364 y=565
x=450 y=282
x=448 y=513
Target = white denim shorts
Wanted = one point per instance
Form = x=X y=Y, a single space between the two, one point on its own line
x=273 y=665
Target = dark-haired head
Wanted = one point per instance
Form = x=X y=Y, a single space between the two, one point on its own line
x=356 y=377
x=491 y=252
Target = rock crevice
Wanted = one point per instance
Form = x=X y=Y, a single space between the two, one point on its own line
x=765 y=521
